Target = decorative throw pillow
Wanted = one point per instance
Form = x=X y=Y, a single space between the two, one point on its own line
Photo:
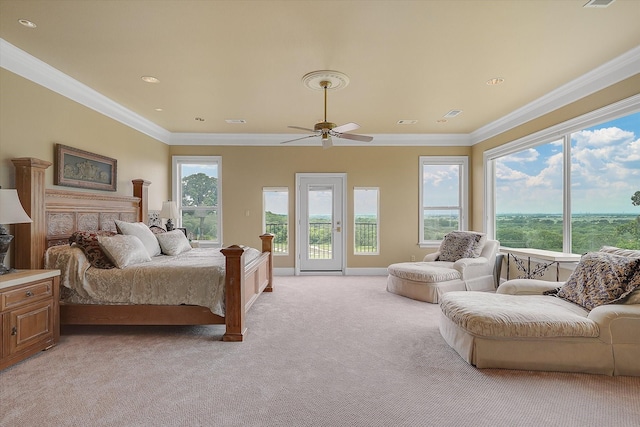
x=142 y=232
x=173 y=242
x=601 y=278
x=157 y=230
x=124 y=250
x=88 y=242
x=460 y=244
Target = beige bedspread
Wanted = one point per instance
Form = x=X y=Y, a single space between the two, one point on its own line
x=195 y=277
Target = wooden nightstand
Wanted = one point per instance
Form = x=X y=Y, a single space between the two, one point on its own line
x=29 y=313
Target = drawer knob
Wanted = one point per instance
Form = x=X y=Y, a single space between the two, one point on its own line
x=29 y=293
x=14 y=331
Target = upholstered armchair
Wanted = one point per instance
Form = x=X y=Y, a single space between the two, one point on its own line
x=429 y=279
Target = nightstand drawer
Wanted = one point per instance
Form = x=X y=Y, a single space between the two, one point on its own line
x=26 y=294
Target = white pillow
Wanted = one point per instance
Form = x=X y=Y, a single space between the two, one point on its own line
x=142 y=232
x=124 y=249
x=173 y=242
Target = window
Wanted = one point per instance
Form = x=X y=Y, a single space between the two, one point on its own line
x=528 y=197
x=197 y=187
x=366 y=224
x=443 y=197
x=275 y=219
x=570 y=188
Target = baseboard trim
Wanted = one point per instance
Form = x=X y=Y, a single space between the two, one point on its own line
x=286 y=271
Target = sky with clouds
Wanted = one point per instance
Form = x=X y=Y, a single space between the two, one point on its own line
x=605 y=172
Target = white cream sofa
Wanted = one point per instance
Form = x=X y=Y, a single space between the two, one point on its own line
x=519 y=328
x=430 y=279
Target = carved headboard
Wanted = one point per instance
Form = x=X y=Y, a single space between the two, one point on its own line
x=56 y=214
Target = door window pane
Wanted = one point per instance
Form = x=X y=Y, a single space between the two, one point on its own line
x=320 y=220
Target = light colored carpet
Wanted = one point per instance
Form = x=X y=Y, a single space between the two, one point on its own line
x=320 y=351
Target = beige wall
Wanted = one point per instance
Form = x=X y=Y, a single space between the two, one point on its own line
x=33 y=119
x=395 y=170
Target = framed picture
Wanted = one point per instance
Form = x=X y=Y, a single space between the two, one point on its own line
x=78 y=168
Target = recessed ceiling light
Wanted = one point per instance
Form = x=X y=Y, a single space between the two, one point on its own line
x=27 y=23
x=452 y=113
x=495 y=81
x=441 y=121
x=200 y=119
x=407 y=122
x=158 y=109
x=236 y=121
x=150 y=79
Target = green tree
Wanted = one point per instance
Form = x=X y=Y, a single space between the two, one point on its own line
x=635 y=199
x=199 y=189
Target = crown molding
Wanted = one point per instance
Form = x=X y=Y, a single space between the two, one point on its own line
x=421 y=140
x=614 y=71
x=25 y=65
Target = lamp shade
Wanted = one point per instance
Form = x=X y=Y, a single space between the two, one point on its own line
x=169 y=210
x=11 y=211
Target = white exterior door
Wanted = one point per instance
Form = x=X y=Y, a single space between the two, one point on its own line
x=320 y=217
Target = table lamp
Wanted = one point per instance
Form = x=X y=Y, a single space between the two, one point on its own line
x=11 y=212
x=169 y=212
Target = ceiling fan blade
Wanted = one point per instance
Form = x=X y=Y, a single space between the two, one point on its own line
x=363 y=138
x=300 y=128
x=298 y=139
x=346 y=127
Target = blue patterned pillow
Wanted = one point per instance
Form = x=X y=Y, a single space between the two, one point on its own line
x=601 y=278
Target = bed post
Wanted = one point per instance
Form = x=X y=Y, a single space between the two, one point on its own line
x=234 y=311
x=141 y=190
x=31 y=239
x=267 y=246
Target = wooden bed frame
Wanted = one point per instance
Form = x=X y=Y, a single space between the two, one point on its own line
x=56 y=214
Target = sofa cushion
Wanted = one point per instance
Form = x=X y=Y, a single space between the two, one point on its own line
x=461 y=244
x=601 y=278
x=515 y=316
x=427 y=272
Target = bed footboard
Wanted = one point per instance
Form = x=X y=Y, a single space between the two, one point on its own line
x=243 y=285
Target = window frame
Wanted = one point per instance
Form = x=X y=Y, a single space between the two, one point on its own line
x=463 y=194
x=176 y=190
x=562 y=131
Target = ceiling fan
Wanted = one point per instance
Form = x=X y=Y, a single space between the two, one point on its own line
x=324 y=129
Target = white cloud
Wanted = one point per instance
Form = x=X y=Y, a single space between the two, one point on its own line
x=605 y=172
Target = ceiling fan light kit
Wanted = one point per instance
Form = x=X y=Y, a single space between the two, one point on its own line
x=328 y=80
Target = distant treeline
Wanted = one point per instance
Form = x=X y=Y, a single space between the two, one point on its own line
x=589 y=232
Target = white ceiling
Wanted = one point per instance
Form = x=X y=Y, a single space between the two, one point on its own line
x=406 y=60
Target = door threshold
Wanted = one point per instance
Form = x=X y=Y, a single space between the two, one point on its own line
x=321 y=273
